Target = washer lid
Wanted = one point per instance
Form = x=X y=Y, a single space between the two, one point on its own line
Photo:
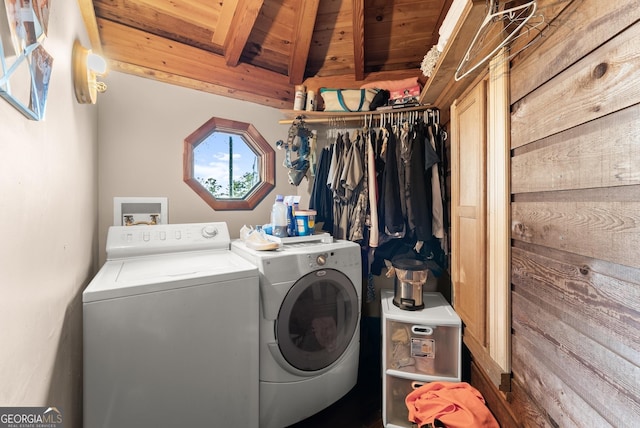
x=139 y=275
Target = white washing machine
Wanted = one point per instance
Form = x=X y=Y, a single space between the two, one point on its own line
x=171 y=331
x=310 y=295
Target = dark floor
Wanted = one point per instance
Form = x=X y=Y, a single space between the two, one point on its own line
x=362 y=406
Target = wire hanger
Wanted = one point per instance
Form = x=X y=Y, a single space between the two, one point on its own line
x=517 y=15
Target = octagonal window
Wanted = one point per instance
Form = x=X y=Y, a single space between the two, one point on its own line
x=229 y=164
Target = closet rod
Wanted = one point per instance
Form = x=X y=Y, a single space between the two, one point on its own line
x=327 y=117
x=332 y=119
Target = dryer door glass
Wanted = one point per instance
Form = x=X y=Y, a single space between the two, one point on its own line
x=317 y=320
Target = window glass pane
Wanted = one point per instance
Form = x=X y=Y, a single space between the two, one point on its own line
x=226 y=166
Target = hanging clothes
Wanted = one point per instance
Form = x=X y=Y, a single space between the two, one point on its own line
x=390 y=204
x=342 y=193
x=437 y=208
x=440 y=138
x=372 y=190
x=386 y=185
x=321 y=198
x=358 y=184
x=418 y=185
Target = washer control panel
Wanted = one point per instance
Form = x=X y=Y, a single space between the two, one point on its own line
x=131 y=241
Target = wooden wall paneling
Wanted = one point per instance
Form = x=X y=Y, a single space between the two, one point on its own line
x=543 y=23
x=601 y=153
x=598 y=299
x=562 y=406
x=575 y=172
x=579 y=29
x=579 y=375
x=468 y=211
x=585 y=91
x=526 y=410
x=513 y=409
x=629 y=193
x=606 y=230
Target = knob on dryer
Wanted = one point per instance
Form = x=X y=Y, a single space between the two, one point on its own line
x=209 y=231
x=321 y=259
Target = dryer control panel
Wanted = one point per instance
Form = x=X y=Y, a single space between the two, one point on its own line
x=319 y=260
x=132 y=241
x=334 y=258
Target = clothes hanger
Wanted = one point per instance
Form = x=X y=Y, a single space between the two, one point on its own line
x=519 y=15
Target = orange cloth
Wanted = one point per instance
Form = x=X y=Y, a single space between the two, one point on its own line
x=455 y=404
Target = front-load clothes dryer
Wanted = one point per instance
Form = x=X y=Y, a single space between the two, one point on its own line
x=171 y=331
x=310 y=296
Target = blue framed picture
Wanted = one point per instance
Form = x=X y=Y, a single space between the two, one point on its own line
x=25 y=65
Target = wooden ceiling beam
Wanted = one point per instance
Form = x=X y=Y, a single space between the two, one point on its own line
x=301 y=40
x=162 y=59
x=358 y=39
x=242 y=23
x=198 y=85
x=224 y=22
x=148 y=17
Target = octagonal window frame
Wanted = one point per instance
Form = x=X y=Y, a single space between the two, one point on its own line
x=251 y=136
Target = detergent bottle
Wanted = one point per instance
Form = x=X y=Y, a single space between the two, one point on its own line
x=279 y=217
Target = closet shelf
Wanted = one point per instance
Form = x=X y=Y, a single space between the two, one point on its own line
x=441 y=88
x=328 y=116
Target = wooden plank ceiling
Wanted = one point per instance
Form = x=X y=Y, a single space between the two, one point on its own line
x=258 y=50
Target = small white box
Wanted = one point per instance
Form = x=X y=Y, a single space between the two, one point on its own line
x=396 y=391
x=129 y=211
x=418 y=347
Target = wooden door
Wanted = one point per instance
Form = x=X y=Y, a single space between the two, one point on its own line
x=468 y=211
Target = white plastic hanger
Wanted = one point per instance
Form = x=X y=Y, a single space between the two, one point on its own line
x=515 y=14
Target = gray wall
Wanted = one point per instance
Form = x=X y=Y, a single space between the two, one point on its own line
x=142 y=127
x=48 y=225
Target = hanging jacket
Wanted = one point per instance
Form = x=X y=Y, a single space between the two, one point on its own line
x=390 y=203
x=419 y=193
x=321 y=198
x=359 y=204
x=372 y=187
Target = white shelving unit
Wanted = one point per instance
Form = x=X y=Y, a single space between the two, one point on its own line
x=417 y=347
